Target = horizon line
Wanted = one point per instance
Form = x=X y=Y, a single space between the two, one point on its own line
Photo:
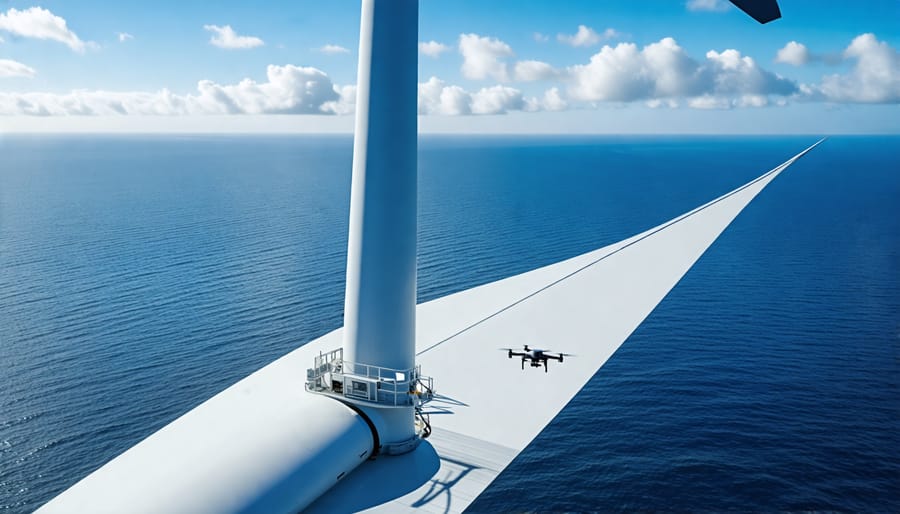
x=4 y=132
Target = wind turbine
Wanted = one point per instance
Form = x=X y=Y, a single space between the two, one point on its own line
x=301 y=433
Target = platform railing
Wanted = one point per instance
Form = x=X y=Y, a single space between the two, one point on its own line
x=364 y=383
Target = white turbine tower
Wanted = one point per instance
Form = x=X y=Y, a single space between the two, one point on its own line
x=380 y=301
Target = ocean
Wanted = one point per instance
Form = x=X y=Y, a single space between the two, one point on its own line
x=140 y=275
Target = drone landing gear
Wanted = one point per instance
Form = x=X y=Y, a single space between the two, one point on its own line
x=523 y=362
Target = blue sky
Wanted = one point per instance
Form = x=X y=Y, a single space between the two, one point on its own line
x=695 y=66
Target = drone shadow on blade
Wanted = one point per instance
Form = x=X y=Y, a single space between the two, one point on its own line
x=440 y=487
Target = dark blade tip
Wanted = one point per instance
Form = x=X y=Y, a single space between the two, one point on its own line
x=762 y=11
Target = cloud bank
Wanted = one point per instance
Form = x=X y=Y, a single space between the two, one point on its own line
x=288 y=90
x=659 y=75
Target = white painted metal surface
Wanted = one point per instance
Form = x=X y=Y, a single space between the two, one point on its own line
x=379 y=310
x=262 y=445
x=380 y=300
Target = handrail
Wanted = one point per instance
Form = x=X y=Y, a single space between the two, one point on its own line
x=393 y=387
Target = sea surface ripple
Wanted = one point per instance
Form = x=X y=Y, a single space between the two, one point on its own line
x=141 y=275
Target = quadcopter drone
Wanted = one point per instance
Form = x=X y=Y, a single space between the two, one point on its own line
x=535 y=356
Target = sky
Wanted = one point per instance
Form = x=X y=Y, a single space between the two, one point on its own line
x=499 y=66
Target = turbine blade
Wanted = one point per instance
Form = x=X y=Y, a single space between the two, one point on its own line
x=762 y=11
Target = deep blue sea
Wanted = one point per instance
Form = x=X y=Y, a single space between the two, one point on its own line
x=140 y=275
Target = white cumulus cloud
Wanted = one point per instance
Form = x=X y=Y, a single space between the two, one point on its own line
x=344 y=104
x=552 y=100
x=707 y=5
x=333 y=49
x=530 y=71
x=124 y=36
x=663 y=70
x=497 y=100
x=586 y=36
x=793 y=53
x=737 y=75
x=9 y=68
x=624 y=73
x=437 y=97
x=40 y=23
x=432 y=49
x=226 y=37
x=288 y=90
x=874 y=78
x=483 y=57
